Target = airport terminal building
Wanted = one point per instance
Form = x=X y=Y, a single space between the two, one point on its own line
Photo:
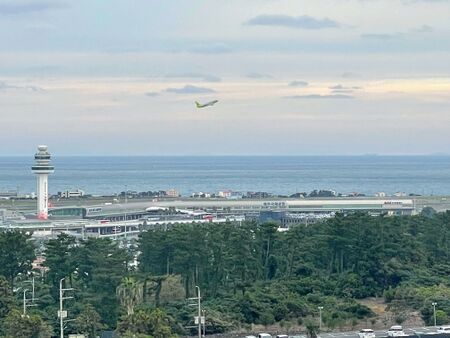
x=243 y=207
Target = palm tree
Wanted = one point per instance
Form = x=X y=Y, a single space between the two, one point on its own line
x=130 y=293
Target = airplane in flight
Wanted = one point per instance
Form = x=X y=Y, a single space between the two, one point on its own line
x=207 y=104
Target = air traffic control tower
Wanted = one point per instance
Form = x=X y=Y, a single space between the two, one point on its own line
x=42 y=168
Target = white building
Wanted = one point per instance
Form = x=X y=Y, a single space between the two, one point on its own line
x=172 y=193
x=73 y=193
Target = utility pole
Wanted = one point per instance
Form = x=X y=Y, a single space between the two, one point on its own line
x=32 y=288
x=434 y=312
x=204 y=322
x=198 y=318
x=199 y=312
x=25 y=302
x=126 y=203
x=62 y=314
x=320 y=317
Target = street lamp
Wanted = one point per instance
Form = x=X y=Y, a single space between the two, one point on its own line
x=434 y=312
x=320 y=317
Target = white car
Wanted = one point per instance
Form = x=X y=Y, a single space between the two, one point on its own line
x=264 y=335
x=444 y=329
x=396 y=331
x=366 y=333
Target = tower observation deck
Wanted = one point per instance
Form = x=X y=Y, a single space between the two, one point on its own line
x=42 y=168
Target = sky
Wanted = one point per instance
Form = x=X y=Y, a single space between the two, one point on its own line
x=293 y=77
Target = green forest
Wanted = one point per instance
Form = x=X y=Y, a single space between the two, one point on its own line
x=248 y=274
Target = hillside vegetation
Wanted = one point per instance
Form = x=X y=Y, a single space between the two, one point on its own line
x=248 y=274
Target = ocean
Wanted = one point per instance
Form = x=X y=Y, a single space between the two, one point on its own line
x=285 y=175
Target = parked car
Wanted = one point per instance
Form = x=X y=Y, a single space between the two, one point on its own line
x=366 y=333
x=444 y=329
x=250 y=337
x=396 y=331
x=264 y=335
x=282 y=336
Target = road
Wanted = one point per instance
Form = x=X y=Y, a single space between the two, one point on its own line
x=430 y=330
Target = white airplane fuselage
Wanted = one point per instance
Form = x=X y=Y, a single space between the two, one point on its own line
x=207 y=104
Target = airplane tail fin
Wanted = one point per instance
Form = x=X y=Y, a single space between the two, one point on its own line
x=197 y=104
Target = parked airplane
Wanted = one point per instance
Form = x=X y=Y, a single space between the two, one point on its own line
x=207 y=104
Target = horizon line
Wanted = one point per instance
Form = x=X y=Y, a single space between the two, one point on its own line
x=238 y=155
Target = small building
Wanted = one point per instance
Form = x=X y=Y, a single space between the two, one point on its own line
x=172 y=193
x=224 y=194
x=71 y=193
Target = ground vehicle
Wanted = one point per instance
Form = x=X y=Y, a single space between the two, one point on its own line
x=282 y=336
x=444 y=329
x=264 y=335
x=396 y=331
x=250 y=336
x=366 y=333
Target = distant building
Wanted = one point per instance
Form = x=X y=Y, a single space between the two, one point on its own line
x=400 y=194
x=8 y=194
x=323 y=193
x=224 y=194
x=7 y=215
x=38 y=264
x=258 y=194
x=71 y=194
x=228 y=194
x=286 y=219
x=201 y=195
x=172 y=193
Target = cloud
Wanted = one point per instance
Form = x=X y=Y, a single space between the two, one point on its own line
x=424 y=29
x=190 y=89
x=298 y=22
x=18 y=8
x=210 y=48
x=340 y=89
x=151 y=94
x=348 y=75
x=5 y=86
x=204 y=77
x=254 y=75
x=384 y=37
x=429 y=1
x=297 y=83
x=319 y=96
